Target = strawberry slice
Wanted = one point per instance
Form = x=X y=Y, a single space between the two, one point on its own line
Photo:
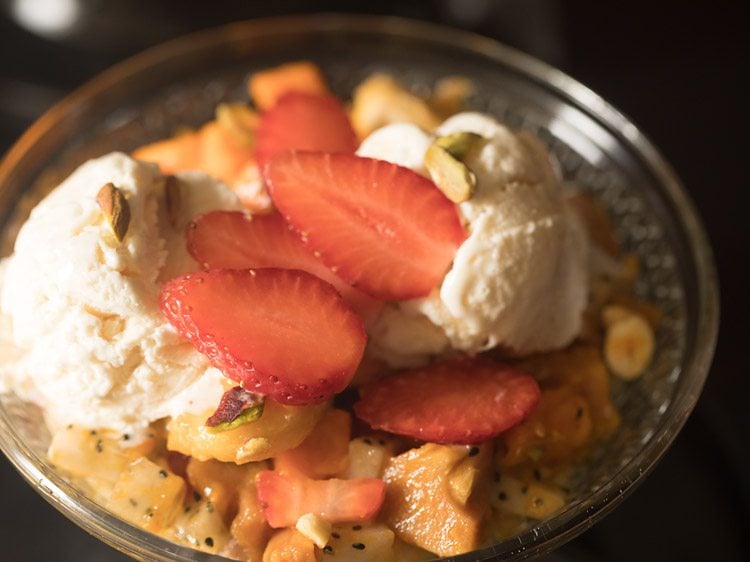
x=383 y=228
x=462 y=401
x=303 y=121
x=283 y=333
x=234 y=240
x=284 y=499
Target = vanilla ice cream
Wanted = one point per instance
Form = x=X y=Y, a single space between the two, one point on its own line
x=90 y=345
x=519 y=280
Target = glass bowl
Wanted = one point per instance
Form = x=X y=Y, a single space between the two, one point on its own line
x=178 y=83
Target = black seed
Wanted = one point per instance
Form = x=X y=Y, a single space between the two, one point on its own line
x=474 y=451
x=70 y=426
x=335 y=535
x=92 y=432
x=187 y=508
x=99 y=446
x=209 y=541
x=358 y=546
x=367 y=441
x=126 y=437
x=502 y=496
x=163 y=473
x=133 y=502
x=328 y=549
x=579 y=413
x=537 y=474
x=357 y=528
x=381 y=442
x=196 y=496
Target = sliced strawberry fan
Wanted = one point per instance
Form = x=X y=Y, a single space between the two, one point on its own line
x=235 y=240
x=282 y=333
x=383 y=228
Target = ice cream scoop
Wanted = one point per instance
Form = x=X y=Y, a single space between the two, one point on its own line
x=80 y=297
x=520 y=279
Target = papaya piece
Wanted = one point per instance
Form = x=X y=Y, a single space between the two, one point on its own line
x=267 y=86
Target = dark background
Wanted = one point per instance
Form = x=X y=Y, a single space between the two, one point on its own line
x=677 y=69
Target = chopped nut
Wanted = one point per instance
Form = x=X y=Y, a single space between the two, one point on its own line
x=115 y=207
x=450 y=174
x=380 y=100
x=459 y=144
x=629 y=346
x=315 y=528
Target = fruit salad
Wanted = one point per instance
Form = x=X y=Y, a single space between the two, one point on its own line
x=376 y=329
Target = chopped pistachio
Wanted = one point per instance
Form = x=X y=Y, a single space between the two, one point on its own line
x=443 y=161
x=458 y=144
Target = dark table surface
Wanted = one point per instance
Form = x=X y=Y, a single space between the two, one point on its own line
x=676 y=69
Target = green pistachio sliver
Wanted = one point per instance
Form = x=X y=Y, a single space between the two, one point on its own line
x=451 y=176
x=458 y=144
x=247 y=415
x=115 y=208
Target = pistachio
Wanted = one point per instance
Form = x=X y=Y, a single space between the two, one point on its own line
x=236 y=407
x=459 y=144
x=239 y=120
x=443 y=161
x=115 y=207
x=173 y=200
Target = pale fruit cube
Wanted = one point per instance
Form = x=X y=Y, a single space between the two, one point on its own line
x=147 y=495
x=368 y=457
x=360 y=543
x=88 y=453
x=201 y=526
x=527 y=499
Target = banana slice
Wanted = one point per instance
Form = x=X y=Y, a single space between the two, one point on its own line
x=628 y=343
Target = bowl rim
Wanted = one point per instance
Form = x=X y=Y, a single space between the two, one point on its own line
x=537 y=540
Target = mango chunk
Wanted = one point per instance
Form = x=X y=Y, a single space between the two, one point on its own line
x=436 y=497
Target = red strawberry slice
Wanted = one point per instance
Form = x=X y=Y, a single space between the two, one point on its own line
x=283 y=333
x=462 y=401
x=234 y=240
x=284 y=499
x=303 y=121
x=383 y=228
